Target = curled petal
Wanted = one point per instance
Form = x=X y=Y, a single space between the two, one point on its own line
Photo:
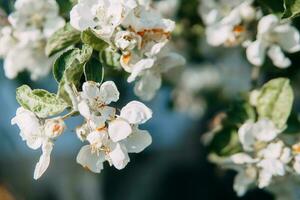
x=256 y=53
x=119 y=129
x=278 y=57
x=109 y=92
x=288 y=38
x=136 y=113
x=44 y=161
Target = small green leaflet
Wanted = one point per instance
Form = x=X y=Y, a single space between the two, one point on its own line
x=90 y=38
x=68 y=69
x=291 y=8
x=41 y=102
x=62 y=39
x=93 y=71
x=275 y=101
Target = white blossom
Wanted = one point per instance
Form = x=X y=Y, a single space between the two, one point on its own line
x=38 y=133
x=22 y=44
x=110 y=136
x=227 y=21
x=273 y=37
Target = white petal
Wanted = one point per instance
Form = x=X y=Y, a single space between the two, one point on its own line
x=246 y=136
x=256 y=53
x=267 y=24
x=136 y=113
x=171 y=60
x=218 y=34
x=243 y=180
x=265 y=130
x=288 y=38
x=81 y=18
x=84 y=109
x=119 y=129
x=109 y=92
x=278 y=57
x=296 y=165
x=44 y=161
x=90 y=90
x=242 y=158
x=137 y=141
x=148 y=85
x=273 y=166
x=264 y=179
x=119 y=156
x=89 y=160
x=139 y=67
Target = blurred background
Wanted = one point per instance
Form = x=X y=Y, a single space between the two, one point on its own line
x=175 y=166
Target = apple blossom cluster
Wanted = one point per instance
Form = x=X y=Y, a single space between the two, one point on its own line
x=138 y=32
x=232 y=23
x=109 y=135
x=265 y=156
x=28 y=28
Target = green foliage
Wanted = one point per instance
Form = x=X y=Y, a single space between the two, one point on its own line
x=68 y=69
x=275 y=101
x=291 y=8
x=62 y=39
x=90 y=38
x=226 y=141
x=41 y=102
x=271 y=6
x=93 y=71
x=110 y=58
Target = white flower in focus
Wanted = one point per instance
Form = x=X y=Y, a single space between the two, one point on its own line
x=102 y=16
x=110 y=136
x=273 y=38
x=38 y=134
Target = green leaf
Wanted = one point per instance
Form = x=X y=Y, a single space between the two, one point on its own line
x=68 y=69
x=291 y=8
x=239 y=112
x=110 y=58
x=271 y=6
x=41 y=102
x=226 y=142
x=93 y=71
x=90 y=38
x=62 y=39
x=275 y=101
x=65 y=60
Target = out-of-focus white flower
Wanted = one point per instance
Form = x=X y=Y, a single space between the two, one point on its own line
x=36 y=15
x=274 y=158
x=22 y=45
x=38 y=134
x=262 y=131
x=7 y=41
x=273 y=37
x=111 y=137
x=167 y=8
x=264 y=157
x=227 y=21
x=32 y=58
x=150 y=78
